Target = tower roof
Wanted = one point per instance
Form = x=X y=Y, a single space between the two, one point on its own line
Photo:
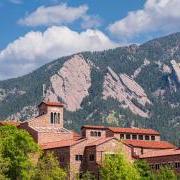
x=48 y=103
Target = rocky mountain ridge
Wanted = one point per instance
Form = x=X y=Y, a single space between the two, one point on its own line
x=132 y=85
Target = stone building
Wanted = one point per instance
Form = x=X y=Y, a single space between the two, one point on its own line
x=85 y=152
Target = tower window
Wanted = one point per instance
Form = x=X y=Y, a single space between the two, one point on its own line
x=52 y=118
x=55 y=118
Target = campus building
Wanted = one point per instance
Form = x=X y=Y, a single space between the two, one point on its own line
x=85 y=152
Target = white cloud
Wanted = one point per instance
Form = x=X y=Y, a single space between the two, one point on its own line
x=90 y=21
x=37 y=48
x=54 y=15
x=156 y=16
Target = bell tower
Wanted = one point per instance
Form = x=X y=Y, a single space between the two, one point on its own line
x=53 y=112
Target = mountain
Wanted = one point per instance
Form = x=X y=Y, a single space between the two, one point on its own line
x=127 y=86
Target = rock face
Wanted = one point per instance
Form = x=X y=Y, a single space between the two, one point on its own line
x=125 y=90
x=176 y=68
x=14 y=92
x=71 y=83
x=26 y=113
x=138 y=70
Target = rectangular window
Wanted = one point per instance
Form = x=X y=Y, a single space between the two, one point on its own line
x=134 y=136
x=121 y=136
x=79 y=157
x=147 y=137
x=140 y=137
x=128 y=136
x=91 y=157
x=92 y=133
x=153 y=138
x=157 y=166
x=177 y=165
x=95 y=133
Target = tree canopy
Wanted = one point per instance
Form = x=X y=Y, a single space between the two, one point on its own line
x=16 y=148
x=117 y=166
x=48 y=168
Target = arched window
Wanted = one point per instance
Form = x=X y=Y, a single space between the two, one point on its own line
x=52 y=117
x=55 y=117
x=58 y=118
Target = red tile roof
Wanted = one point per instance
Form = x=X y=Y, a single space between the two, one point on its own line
x=48 y=103
x=133 y=130
x=166 y=152
x=124 y=130
x=58 y=144
x=93 y=127
x=100 y=141
x=149 y=144
x=12 y=123
x=76 y=136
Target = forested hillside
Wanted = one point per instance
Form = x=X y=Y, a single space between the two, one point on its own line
x=127 y=86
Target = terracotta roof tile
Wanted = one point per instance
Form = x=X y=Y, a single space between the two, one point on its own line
x=59 y=144
x=48 y=103
x=149 y=144
x=124 y=130
x=133 y=130
x=166 y=152
x=100 y=141
x=76 y=135
x=12 y=123
x=93 y=127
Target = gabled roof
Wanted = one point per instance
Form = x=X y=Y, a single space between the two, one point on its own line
x=133 y=130
x=48 y=103
x=60 y=144
x=149 y=144
x=159 y=153
x=100 y=141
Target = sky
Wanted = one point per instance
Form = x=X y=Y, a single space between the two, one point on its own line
x=35 y=32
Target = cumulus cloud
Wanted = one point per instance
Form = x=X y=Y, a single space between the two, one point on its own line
x=156 y=16
x=58 y=15
x=37 y=48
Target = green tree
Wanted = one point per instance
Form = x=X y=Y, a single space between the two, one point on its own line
x=16 y=150
x=143 y=169
x=118 y=167
x=48 y=168
x=4 y=167
x=166 y=173
x=88 y=176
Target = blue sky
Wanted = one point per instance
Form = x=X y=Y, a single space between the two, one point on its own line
x=34 y=32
